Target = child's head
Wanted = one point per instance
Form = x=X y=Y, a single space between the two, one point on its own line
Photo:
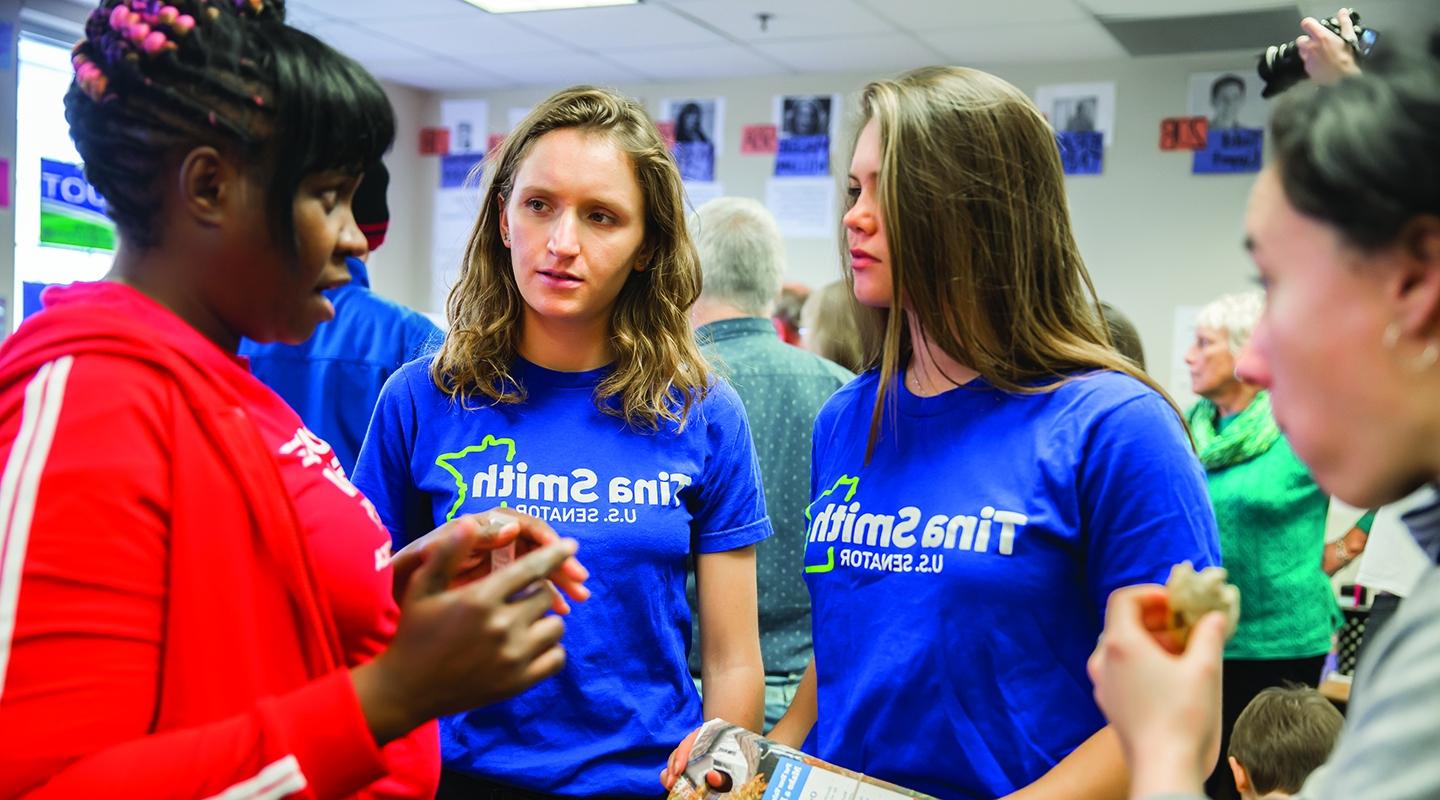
x=1280 y=738
x=209 y=126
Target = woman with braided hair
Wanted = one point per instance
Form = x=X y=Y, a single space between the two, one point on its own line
x=194 y=599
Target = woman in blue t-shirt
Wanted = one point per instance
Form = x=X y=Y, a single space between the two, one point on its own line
x=569 y=387
x=997 y=471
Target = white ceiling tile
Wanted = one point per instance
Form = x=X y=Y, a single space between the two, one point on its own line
x=1159 y=9
x=924 y=15
x=695 y=63
x=618 y=27
x=437 y=76
x=558 y=69
x=795 y=19
x=855 y=53
x=1008 y=44
x=464 y=35
x=303 y=18
x=360 y=10
x=365 y=45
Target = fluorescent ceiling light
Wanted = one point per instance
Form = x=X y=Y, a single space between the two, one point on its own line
x=516 y=6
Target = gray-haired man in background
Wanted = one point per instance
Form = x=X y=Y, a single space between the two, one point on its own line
x=782 y=387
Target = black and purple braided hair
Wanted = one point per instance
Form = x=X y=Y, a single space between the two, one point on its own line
x=155 y=79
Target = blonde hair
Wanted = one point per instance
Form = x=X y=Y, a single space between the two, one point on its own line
x=981 y=252
x=829 y=325
x=659 y=372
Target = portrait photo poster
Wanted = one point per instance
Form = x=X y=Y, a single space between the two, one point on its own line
x=1228 y=99
x=807 y=114
x=697 y=119
x=1079 y=108
x=807 y=124
x=698 y=124
x=469 y=124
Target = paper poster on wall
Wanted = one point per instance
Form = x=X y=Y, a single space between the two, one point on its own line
x=758 y=140
x=7 y=46
x=804 y=208
x=1230 y=151
x=698 y=193
x=468 y=121
x=1183 y=335
x=803 y=156
x=807 y=124
x=667 y=132
x=807 y=114
x=457 y=205
x=456 y=170
x=1227 y=100
x=72 y=213
x=1081 y=152
x=1184 y=133
x=697 y=119
x=1079 y=108
x=698 y=126
x=1235 y=114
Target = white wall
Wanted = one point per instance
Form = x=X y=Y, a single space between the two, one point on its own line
x=400 y=269
x=1154 y=236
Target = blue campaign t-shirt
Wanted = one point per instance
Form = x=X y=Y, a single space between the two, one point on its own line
x=959 y=579
x=639 y=502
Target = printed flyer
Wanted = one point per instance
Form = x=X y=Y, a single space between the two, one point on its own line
x=747 y=766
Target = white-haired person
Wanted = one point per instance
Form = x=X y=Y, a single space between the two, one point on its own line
x=1344 y=227
x=1271 y=517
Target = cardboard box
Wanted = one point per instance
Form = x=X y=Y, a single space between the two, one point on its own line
x=755 y=768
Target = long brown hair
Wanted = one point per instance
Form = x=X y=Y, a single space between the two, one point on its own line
x=981 y=252
x=659 y=371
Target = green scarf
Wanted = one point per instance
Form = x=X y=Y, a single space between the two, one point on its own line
x=1247 y=435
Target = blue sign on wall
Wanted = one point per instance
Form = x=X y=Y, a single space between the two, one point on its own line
x=803 y=155
x=456 y=169
x=72 y=213
x=1081 y=152
x=1229 y=151
x=696 y=160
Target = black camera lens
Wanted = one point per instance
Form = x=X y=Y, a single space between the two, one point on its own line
x=1280 y=65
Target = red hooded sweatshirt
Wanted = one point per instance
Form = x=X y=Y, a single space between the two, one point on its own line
x=185 y=574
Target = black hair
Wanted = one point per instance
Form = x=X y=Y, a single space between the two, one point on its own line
x=224 y=73
x=1364 y=155
x=1221 y=81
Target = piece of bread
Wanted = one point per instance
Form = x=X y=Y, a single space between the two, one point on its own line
x=1194 y=594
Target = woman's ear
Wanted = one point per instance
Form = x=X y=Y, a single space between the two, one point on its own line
x=208 y=185
x=1416 y=289
x=642 y=261
x=504 y=220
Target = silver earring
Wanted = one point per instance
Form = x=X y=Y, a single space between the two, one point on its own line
x=1392 y=336
x=1428 y=356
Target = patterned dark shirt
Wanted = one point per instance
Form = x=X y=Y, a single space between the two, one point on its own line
x=782 y=388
